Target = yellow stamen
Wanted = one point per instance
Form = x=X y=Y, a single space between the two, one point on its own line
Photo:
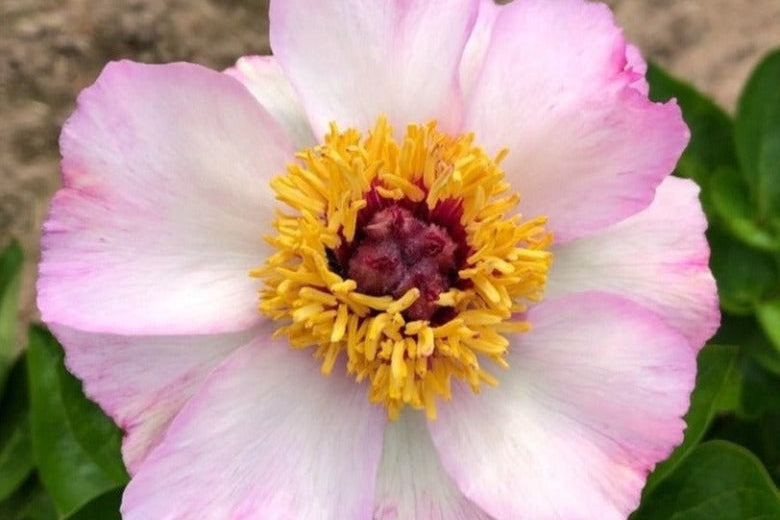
x=406 y=362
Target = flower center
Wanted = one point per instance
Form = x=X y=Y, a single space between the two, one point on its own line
x=400 y=248
x=399 y=260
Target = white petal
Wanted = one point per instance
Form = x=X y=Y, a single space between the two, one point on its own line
x=264 y=78
x=164 y=204
x=268 y=437
x=353 y=60
x=412 y=485
x=593 y=399
x=143 y=381
x=477 y=46
x=557 y=88
x=658 y=258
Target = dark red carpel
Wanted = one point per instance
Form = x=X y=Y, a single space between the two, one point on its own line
x=401 y=244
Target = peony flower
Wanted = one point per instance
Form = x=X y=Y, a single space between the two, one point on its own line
x=425 y=262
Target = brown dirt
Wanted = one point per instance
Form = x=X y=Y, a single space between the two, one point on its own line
x=51 y=50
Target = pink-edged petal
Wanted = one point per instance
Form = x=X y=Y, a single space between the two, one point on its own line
x=143 y=381
x=267 y=436
x=593 y=399
x=412 y=485
x=164 y=204
x=637 y=65
x=352 y=60
x=658 y=258
x=264 y=78
x=557 y=88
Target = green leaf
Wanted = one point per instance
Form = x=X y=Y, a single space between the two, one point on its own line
x=10 y=278
x=755 y=383
x=758 y=436
x=66 y=447
x=29 y=502
x=768 y=314
x=757 y=134
x=759 y=390
x=712 y=143
x=744 y=275
x=717 y=481
x=731 y=202
x=745 y=332
x=716 y=364
x=92 y=429
x=104 y=507
x=16 y=462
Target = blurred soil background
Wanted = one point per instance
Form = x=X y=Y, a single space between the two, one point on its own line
x=51 y=49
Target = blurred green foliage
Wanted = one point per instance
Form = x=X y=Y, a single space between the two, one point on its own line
x=60 y=459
